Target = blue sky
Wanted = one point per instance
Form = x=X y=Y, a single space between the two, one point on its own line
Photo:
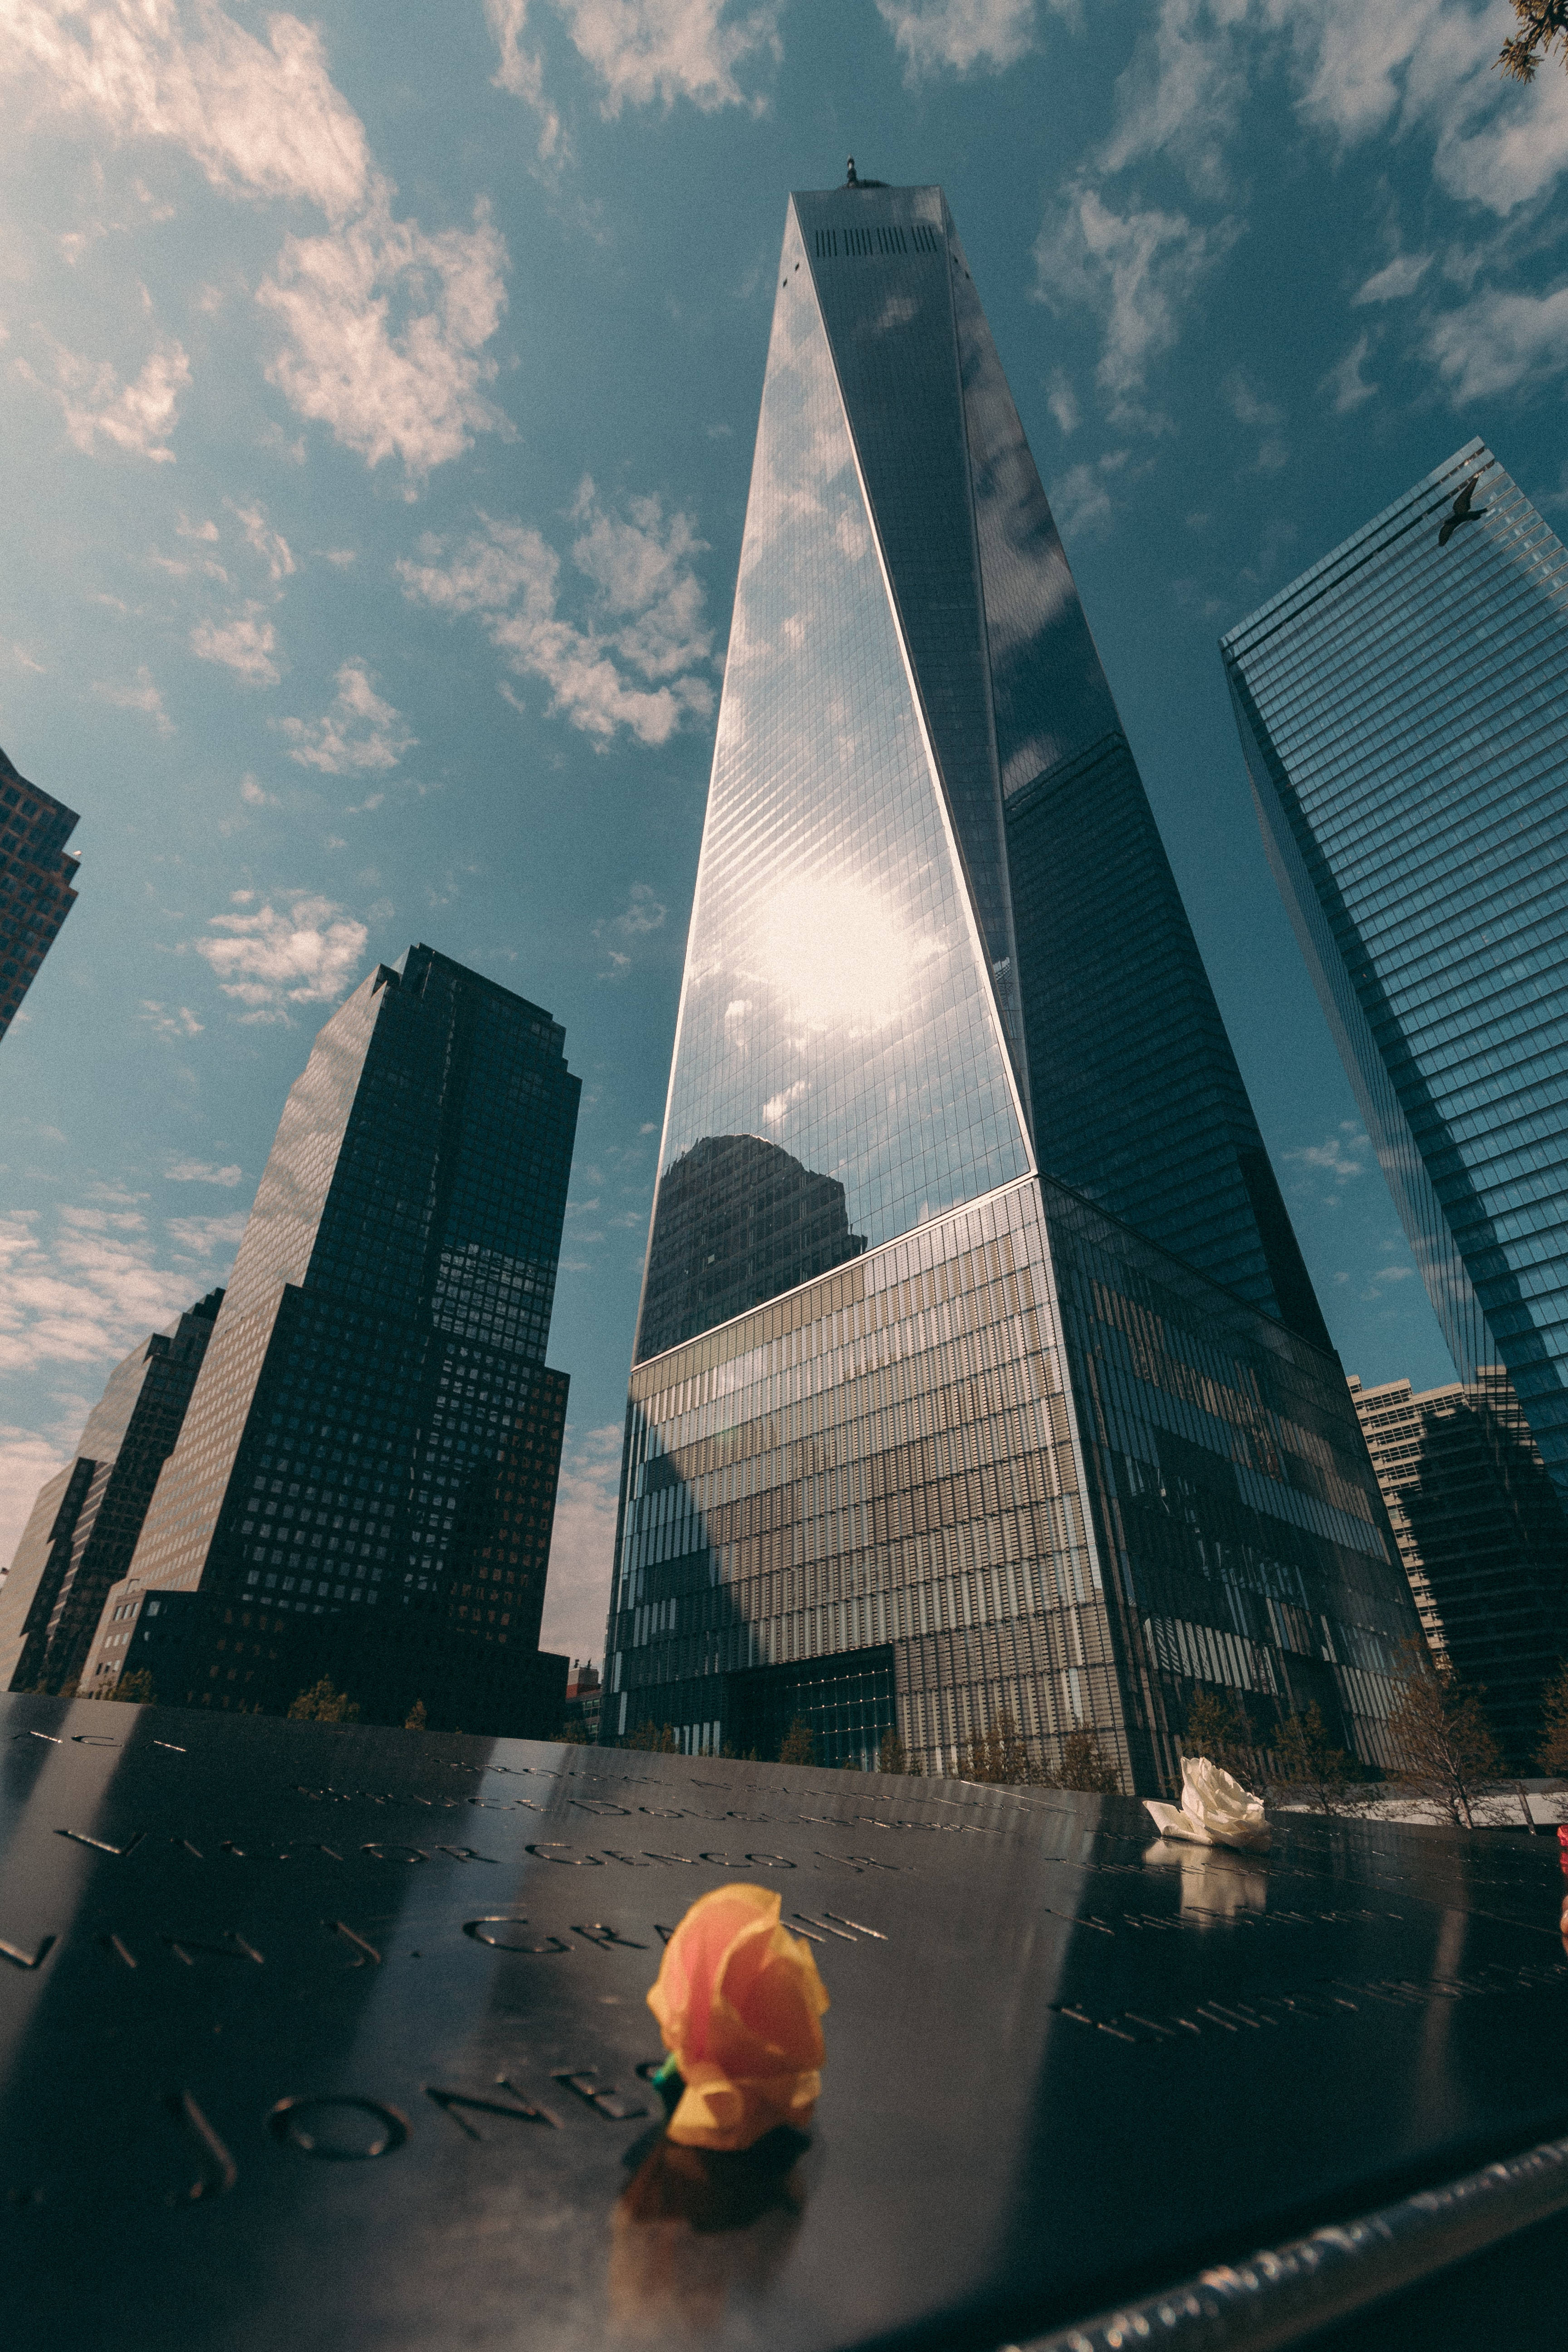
x=377 y=391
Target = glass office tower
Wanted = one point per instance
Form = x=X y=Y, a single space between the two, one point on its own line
x=1404 y=712
x=37 y=872
x=83 y=1530
x=1479 y=1530
x=365 y=1481
x=916 y=1438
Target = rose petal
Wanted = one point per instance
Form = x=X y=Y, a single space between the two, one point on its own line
x=738 y=2001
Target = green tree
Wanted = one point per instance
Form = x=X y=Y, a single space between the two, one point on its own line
x=572 y=1735
x=998 y=1757
x=1086 y=1766
x=136 y=1686
x=1306 y=1758
x=1440 y=1731
x=893 y=1756
x=1217 y=1727
x=416 y=1719
x=1553 y=1753
x=1543 y=27
x=799 y=1747
x=650 y=1736
x=323 y=1703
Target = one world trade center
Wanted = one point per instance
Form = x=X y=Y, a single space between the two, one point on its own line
x=978 y=1374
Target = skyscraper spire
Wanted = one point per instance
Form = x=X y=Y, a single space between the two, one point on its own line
x=937 y=970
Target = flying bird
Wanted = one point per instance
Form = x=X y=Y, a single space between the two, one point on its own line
x=1462 y=511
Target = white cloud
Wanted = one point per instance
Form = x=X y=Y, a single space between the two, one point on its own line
x=635 y=661
x=26 y=1460
x=1500 y=342
x=648 y=50
x=202 y=1235
x=777 y=1108
x=245 y=645
x=83 y=1297
x=201 y=1172
x=1080 y=501
x=270 y=545
x=643 y=912
x=522 y=73
x=1395 y=280
x=359 y=732
x=143 y=696
x=1341 y=1156
x=959 y=35
x=1429 y=65
x=1137 y=270
x=254 y=795
x=1424 y=67
x=170 y=1021
x=269 y=959
x=1247 y=406
x=643 y=52
x=581 y=1549
x=1062 y=400
x=384 y=324
x=136 y=417
x=1180 y=94
x=260 y=118
x=385 y=328
x=1345 y=381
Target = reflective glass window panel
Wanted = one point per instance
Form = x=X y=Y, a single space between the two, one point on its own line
x=836 y=1026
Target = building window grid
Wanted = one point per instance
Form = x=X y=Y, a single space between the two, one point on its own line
x=719 y=1573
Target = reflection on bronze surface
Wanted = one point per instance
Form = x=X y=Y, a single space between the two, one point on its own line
x=1224 y=1888
x=695 y=2227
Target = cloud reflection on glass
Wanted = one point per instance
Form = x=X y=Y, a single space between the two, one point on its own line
x=837 y=1002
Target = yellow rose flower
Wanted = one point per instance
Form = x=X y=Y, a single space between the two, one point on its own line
x=738 y=1999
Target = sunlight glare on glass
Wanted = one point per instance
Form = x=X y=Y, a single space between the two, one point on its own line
x=840 y=954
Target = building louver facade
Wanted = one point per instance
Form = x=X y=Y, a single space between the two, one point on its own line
x=978 y=1371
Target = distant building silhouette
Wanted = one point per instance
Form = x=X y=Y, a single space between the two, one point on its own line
x=585 y=1695
x=37 y=875
x=82 y=1530
x=365 y=1484
x=1482 y=1535
x=738 y=1220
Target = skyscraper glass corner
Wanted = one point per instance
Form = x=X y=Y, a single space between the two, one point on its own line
x=1403 y=711
x=37 y=875
x=366 y=1480
x=951 y=1103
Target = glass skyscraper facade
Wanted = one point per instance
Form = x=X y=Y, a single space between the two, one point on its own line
x=365 y=1481
x=83 y=1530
x=1404 y=712
x=953 y=1127
x=37 y=872
x=1479 y=1530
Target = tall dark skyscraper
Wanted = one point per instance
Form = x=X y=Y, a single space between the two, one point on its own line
x=82 y=1530
x=1404 y=712
x=37 y=872
x=978 y=1370
x=367 y=1478
x=1480 y=1532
